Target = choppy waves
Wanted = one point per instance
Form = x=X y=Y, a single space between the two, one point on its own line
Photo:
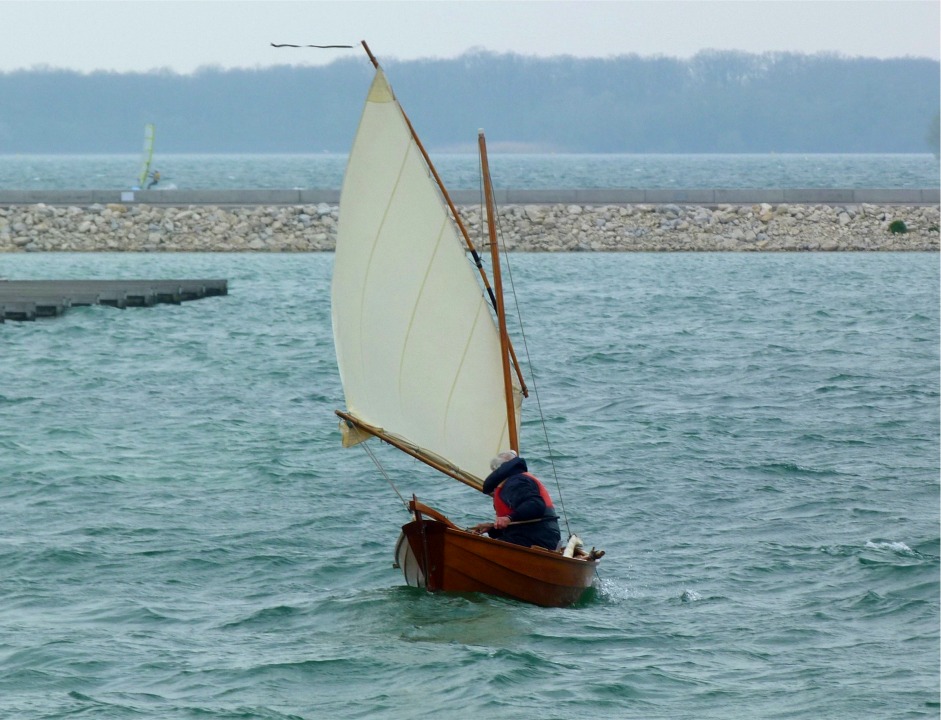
x=753 y=441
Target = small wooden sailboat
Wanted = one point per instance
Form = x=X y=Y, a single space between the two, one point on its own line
x=424 y=356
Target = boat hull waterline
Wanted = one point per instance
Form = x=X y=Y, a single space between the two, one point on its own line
x=440 y=557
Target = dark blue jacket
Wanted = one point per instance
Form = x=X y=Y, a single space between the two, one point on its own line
x=522 y=494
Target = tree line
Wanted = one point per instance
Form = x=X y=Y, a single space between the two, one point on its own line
x=715 y=102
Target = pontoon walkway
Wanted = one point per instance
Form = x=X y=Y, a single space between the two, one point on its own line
x=31 y=299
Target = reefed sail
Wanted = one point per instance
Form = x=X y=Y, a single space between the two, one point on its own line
x=417 y=347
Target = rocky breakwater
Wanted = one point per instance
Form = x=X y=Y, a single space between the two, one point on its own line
x=672 y=228
x=145 y=228
x=538 y=228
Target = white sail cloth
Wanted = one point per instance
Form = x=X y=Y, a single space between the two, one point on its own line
x=417 y=347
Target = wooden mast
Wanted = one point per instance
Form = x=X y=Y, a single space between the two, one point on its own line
x=457 y=220
x=498 y=285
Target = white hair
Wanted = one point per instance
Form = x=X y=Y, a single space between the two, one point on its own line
x=501 y=458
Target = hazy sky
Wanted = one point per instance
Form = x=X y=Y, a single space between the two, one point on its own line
x=182 y=35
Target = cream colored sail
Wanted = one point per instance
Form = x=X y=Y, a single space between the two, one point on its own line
x=417 y=347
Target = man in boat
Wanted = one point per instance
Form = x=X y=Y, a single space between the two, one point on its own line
x=524 y=511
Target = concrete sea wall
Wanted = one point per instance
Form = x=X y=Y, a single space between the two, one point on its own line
x=503 y=196
x=536 y=226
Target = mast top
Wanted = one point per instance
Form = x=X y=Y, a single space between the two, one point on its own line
x=372 y=57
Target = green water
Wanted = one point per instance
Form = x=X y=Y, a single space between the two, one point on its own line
x=754 y=439
x=187 y=172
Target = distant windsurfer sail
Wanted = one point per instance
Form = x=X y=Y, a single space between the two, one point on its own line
x=147 y=156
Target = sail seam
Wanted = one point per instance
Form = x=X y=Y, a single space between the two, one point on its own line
x=372 y=252
x=411 y=319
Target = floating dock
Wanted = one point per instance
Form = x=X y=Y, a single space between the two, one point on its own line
x=31 y=299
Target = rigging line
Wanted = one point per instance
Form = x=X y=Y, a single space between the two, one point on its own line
x=382 y=470
x=532 y=376
x=532 y=373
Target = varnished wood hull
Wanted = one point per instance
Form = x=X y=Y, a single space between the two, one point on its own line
x=441 y=557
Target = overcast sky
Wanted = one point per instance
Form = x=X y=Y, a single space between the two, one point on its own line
x=183 y=35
